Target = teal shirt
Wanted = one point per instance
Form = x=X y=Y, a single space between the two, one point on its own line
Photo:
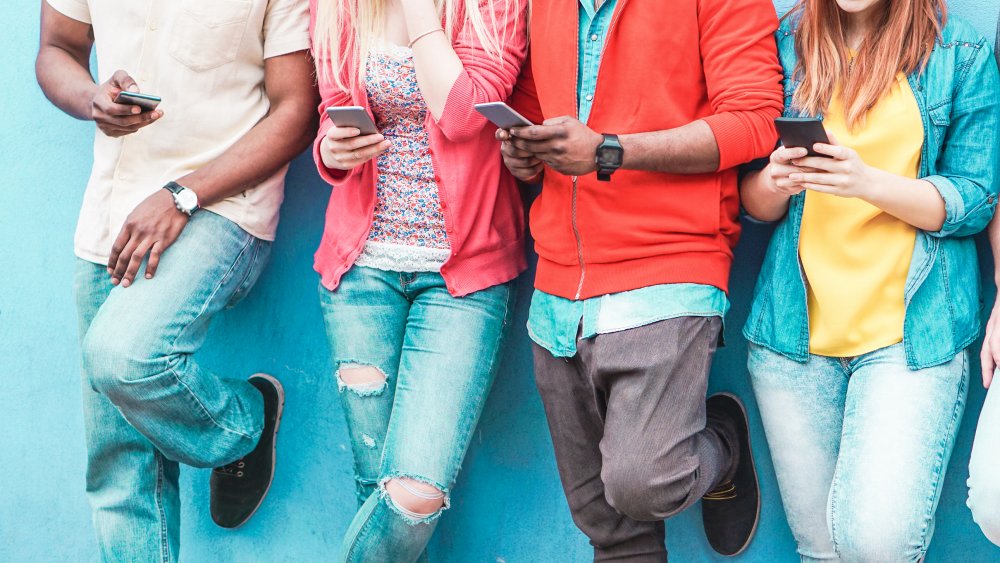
x=554 y=322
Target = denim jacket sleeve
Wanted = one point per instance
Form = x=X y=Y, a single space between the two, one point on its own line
x=967 y=165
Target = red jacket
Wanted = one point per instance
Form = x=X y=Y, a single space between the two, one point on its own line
x=480 y=200
x=666 y=63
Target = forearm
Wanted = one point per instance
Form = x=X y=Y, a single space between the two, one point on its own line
x=916 y=202
x=269 y=146
x=437 y=65
x=65 y=82
x=690 y=149
x=759 y=201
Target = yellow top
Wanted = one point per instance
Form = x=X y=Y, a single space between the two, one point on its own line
x=855 y=256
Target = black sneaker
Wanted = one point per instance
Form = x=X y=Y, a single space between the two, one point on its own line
x=239 y=488
x=730 y=512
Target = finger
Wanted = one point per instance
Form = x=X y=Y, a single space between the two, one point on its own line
x=539 y=132
x=342 y=132
x=817 y=178
x=154 y=261
x=822 y=188
x=134 y=122
x=134 y=262
x=509 y=150
x=121 y=80
x=112 y=109
x=820 y=163
x=355 y=143
x=502 y=135
x=538 y=147
x=122 y=263
x=837 y=152
x=786 y=183
x=987 y=362
x=365 y=154
x=558 y=120
x=121 y=241
x=784 y=155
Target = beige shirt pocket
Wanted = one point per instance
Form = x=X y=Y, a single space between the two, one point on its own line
x=207 y=35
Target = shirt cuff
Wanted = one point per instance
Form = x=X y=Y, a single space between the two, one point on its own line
x=72 y=9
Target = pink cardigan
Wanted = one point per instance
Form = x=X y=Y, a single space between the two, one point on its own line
x=483 y=211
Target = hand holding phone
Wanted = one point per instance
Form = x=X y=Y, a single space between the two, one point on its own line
x=116 y=119
x=342 y=149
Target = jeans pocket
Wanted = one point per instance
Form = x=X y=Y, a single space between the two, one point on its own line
x=207 y=35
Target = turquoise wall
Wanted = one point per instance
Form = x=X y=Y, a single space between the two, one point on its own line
x=508 y=506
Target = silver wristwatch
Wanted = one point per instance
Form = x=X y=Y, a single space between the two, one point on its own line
x=184 y=198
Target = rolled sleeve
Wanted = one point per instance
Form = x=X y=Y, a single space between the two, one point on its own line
x=286 y=27
x=75 y=9
x=967 y=167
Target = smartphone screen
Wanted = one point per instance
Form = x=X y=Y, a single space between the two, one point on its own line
x=352 y=116
x=502 y=115
x=802 y=132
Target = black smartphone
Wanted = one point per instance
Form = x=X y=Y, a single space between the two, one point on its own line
x=802 y=132
x=147 y=102
x=352 y=116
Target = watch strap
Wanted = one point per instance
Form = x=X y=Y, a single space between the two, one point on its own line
x=174 y=187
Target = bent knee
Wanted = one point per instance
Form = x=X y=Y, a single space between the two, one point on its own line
x=363 y=380
x=111 y=361
x=645 y=495
x=417 y=501
x=863 y=542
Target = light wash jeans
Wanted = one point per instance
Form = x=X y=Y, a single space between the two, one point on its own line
x=147 y=405
x=860 y=448
x=984 y=467
x=439 y=354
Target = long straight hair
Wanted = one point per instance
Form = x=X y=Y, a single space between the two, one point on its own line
x=345 y=61
x=905 y=33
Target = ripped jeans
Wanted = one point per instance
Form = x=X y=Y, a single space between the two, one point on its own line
x=438 y=357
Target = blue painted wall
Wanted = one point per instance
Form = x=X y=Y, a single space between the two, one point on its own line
x=508 y=506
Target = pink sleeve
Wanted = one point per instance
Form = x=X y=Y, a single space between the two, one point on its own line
x=331 y=95
x=485 y=77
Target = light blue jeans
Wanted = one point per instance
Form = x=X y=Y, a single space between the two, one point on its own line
x=984 y=467
x=860 y=448
x=439 y=356
x=147 y=405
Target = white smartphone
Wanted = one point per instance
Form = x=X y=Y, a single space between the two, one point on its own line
x=352 y=116
x=502 y=115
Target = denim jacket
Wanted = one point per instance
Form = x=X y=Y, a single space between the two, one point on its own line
x=959 y=99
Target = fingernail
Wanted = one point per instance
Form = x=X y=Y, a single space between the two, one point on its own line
x=149 y=276
x=125 y=283
x=114 y=281
x=136 y=110
x=133 y=88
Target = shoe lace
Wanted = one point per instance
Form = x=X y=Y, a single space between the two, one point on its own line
x=726 y=491
x=234 y=468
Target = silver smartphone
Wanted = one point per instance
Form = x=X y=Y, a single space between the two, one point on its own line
x=352 y=116
x=502 y=115
x=147 y=102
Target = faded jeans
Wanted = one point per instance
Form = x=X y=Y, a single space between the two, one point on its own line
x=984 y=467
x=439 y=356
x=147 y=405
x=860 y=448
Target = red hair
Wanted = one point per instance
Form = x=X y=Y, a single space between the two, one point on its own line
x=905 y=36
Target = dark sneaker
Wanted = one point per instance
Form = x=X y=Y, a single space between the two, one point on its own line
x=239 y=488
x=730 y=512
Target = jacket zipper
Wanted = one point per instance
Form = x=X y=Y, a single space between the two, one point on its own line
x=579 y=244
x=576 y=227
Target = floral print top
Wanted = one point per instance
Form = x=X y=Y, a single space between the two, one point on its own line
x=408 y=230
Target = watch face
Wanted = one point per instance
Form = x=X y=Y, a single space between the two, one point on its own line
x=187 y=199
x=610 y=157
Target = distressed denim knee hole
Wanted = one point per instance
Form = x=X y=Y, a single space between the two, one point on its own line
x=416 y=501
x=362 y=380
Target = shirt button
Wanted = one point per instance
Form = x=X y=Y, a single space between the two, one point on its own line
x=593 y=37
x=991 y=199
x=590 y=97
x=152 y=26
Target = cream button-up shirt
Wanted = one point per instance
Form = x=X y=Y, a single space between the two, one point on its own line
x=205 y=58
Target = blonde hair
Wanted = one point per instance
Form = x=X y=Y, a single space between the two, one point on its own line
x=345 y=61
x=905 y=36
